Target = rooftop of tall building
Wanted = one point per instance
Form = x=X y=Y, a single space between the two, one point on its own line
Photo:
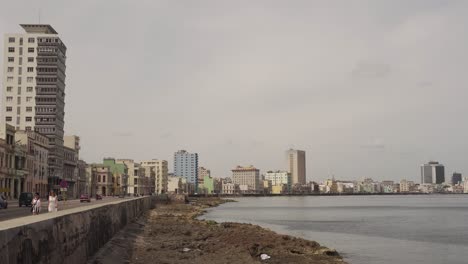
x=39 y=28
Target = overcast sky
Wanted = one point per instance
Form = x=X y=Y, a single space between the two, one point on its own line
x=366 y=88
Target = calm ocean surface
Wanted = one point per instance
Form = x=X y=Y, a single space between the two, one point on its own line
x=365 y=229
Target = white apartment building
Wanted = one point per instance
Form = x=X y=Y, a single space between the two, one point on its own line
x=157 y=169
x=247 y=176
x=229 y=188
x=278 y=178
x=34 y=88
x=136 y=177
x=296 y=163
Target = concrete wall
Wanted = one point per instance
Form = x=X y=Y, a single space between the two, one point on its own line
x=71 y=236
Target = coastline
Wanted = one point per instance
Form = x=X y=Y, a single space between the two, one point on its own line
x=171 y=233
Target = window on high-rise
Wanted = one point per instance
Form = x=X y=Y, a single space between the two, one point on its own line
x=11 y=49
x=29 y=79
x=30 y=69
x=8 y=118
x=9 y=89
x=9 y=108
x=30 y=40
x=11 y=59
x=11 y=40
x=29 y=109
x=9 y=79
x=29 y=89
x=28 y=99
x=30 y=50
x=28 y=119
x=10 y=69
x=30 y=59
x=9 y=98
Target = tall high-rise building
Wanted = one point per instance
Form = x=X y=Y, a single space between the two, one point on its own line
x=456 y=178
x=432 y=173
x=186 y=166
x=296 y=163
x=34 y=88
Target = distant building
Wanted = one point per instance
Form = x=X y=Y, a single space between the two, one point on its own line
x=406 y=186
x=157 y=171
x=119 y=174
x=230 y=188
x=387 y=186
x=456 y=178
x=208 y=184
x=186 y=165
x=296 y=162
x=104 y=185
x=248 y=178
x=345 y=187
x=465 y=185
x=202 y=172
x=432 y=173
x=331 y=186
x=279 y=178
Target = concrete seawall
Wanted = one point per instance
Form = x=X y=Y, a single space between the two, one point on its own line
x=70 y=236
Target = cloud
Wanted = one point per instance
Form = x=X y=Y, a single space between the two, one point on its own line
x=371 y=70
x=123 y=134
x=376 y=144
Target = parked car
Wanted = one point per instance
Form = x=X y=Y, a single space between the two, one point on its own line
x=25 y=199
x=98 y=197
x=60 y=197
x=3 y=202
x=85 y=198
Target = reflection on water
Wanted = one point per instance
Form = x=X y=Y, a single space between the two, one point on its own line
x=365 y=229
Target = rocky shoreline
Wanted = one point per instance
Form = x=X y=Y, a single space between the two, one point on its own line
x=172 y=234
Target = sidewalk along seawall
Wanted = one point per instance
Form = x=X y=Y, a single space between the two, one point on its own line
x=70 y=236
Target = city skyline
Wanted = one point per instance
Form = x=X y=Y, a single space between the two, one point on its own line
x=357 y=106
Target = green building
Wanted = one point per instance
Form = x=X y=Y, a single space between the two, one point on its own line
x=208 y=184
x=119 y=173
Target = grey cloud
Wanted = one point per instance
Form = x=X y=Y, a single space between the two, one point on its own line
x=371 y=70
x=123 y=134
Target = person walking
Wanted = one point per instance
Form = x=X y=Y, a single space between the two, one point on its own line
x=53 y=202
x=36 y=205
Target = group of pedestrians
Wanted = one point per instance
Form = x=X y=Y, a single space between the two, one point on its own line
x=36 y=203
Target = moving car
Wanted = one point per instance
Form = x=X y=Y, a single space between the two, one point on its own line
x=25 y=199
x=3 y=202
x=98 y=197
x=85 y=198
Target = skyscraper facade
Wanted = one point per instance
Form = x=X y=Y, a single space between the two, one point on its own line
x=186 y=166
x=432 y=173
x=456 y=178
x=34 y=88
x=296 y=163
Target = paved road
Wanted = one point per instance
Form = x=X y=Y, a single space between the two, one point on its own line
x=14 y=211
